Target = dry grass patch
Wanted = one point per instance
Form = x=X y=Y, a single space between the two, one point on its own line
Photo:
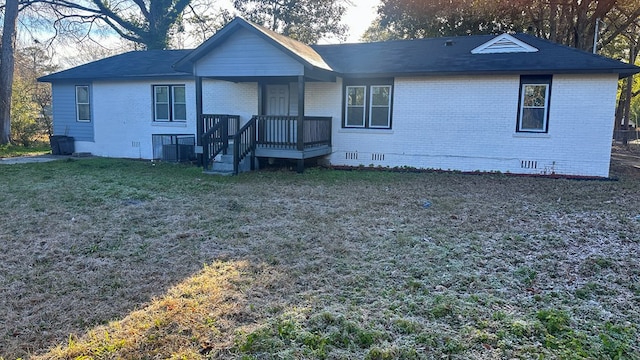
x=194 y=318
x=142 y=260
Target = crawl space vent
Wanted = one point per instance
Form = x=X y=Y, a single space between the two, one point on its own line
x=351 y=155
x=528 y=164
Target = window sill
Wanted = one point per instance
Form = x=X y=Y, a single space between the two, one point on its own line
x=532 y=135
x=365 y=131
x=169 y=123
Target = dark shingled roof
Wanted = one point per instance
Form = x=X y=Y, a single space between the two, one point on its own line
x=131 y=65
x=427 y=57
x=433 y=57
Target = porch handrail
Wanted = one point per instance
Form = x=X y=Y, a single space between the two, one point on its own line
x=213 y=142
x=244 y=142
x=217 y=131
x=233 y=121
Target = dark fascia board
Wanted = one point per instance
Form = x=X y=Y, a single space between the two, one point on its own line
x=272 y=79
x=186 y=63
x=618 y=72
x=49 y=79
x=256 y=79
x=320 y=74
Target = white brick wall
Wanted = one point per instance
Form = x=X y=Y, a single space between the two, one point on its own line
x=223 y=97
x=468 y=124
x=324 y=99
x=123 y=114
x=123 y=119
x=449 y=123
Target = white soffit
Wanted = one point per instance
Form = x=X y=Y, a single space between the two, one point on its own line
x=504 y=43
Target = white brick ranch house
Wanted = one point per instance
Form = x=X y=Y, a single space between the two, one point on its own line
x=508 y=103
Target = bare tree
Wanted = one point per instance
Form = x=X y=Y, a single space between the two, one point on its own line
x=148 y=23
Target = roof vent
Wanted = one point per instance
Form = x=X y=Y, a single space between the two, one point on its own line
x=448 y=43
x=504 y=43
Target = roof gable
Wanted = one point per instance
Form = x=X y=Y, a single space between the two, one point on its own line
x=246 y=54
x=504 y=43
x=302 y=53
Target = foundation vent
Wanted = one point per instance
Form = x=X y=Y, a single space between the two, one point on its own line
x=351 y=155
x=528 y=164
x=377 y=157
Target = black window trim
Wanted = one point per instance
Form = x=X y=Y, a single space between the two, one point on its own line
x=367 y=83
x=534 y=80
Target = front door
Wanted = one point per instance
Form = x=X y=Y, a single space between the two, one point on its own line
x=277 y=99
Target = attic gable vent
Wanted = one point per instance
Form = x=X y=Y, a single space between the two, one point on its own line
x=504 y=43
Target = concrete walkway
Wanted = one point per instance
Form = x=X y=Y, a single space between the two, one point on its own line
x=627 y=159
x=32 y=159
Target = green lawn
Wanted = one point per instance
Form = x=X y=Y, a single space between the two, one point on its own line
x=111 y=259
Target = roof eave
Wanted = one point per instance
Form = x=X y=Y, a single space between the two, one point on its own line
x=52 y=79
x=622 y=73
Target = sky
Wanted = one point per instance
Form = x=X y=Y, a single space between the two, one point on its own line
x=359 y=17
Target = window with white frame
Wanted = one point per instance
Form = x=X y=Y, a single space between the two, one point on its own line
x=83 y=104
x=380 y=107
x=533 y=108
x=367 y=104
x=355 y=112
x=169 y=103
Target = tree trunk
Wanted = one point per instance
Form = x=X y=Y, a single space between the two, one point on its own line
x=7 y=62
x=627 y=103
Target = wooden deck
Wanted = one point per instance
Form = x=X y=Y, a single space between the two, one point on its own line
x=266 y=136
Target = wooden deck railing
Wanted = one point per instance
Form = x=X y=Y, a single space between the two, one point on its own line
x=317 y=131
x=233 y=122
x=282 y=131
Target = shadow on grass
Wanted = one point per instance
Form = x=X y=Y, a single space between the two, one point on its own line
x=197 y=317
